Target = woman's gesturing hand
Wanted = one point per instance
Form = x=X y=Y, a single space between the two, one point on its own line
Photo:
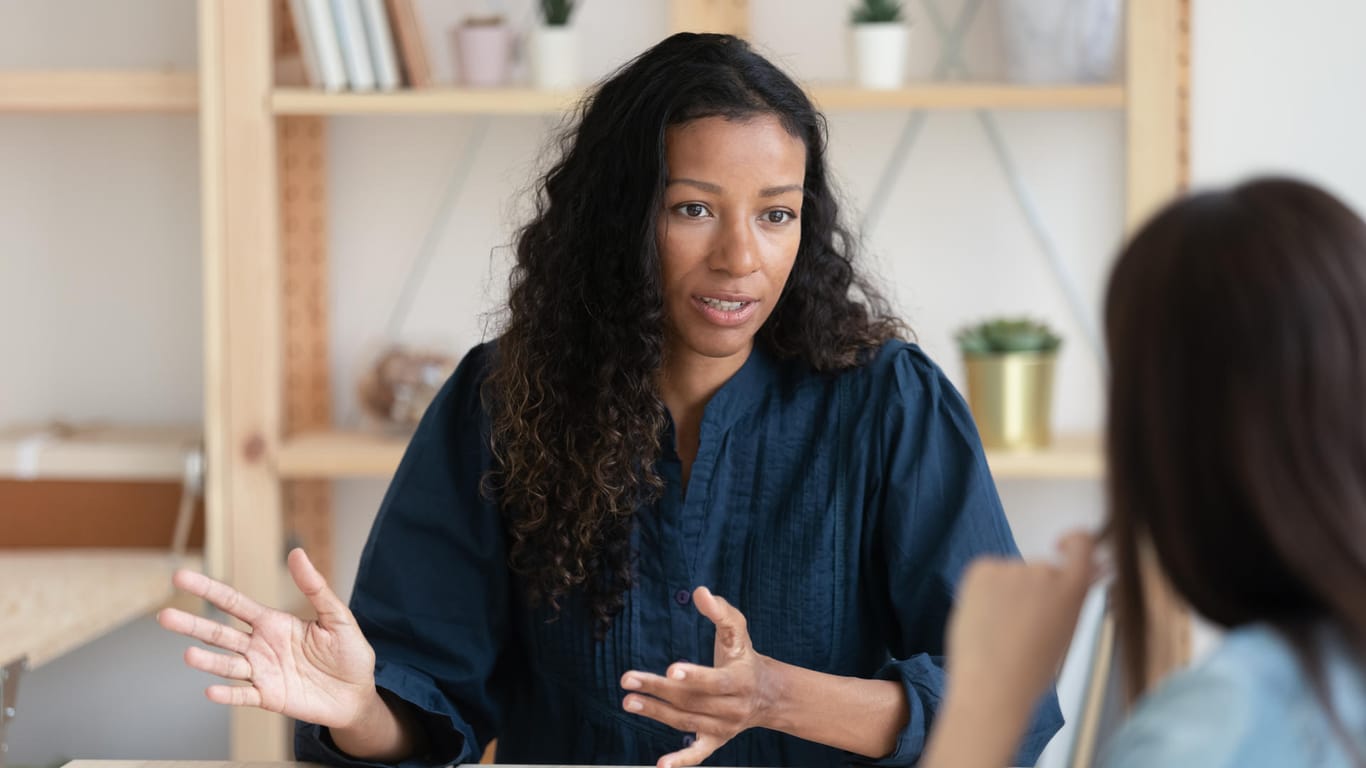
x=712 y=704
x=319 y=671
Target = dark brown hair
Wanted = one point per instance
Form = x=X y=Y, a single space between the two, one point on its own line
x=576 y=414
x=1236 y=323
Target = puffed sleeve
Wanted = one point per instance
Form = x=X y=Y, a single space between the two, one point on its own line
x=432 y=591
x=939 y=510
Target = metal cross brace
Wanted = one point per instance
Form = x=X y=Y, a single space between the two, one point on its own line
x=9 y=694
x=950 y=62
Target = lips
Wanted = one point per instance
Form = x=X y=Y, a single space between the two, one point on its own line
x=725 y=309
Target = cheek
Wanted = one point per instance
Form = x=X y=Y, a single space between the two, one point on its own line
x=680 y=250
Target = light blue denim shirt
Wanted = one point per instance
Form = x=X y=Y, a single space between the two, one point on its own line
x=1249 y=704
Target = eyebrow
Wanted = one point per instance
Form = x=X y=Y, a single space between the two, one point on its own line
x=707 y=186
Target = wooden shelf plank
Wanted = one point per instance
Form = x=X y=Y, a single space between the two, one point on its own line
x=96 y=452
x=1070 y=456
x=353 y=454
x=486 y=101
x=520 y=101
x=340 y=454
x=970 y=96
x=52 y=601
x=95 y=91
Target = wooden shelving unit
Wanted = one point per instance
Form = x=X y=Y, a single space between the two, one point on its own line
x=269 y=443
x=970 y=95
x=528 y=101
x=338 y=454
x=98 y=91
x=56 y=600
x=97 y=452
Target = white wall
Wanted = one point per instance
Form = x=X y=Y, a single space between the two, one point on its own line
x=99 y=277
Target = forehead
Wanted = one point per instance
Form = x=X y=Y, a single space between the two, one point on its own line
x=727 y=147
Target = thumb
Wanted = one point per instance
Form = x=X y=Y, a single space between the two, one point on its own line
x=330 y=609
x=732 y=632
x=1078 y=561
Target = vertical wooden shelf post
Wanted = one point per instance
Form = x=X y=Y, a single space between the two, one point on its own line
x=242 y=321
x=307 y=382
x=727 y=16
x=1157 y=145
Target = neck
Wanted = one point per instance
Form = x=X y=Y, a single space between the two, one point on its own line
x=687 y=382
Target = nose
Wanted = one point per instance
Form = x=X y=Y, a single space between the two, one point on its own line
x=736 y=250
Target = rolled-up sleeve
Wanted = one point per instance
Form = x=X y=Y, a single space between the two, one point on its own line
x=940 y=510
x=432 y=591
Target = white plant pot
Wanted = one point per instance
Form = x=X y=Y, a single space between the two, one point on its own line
x=1061 y=41
x=879 y=52
x=555 y=58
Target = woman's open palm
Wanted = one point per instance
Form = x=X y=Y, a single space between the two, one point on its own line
x=319 y=671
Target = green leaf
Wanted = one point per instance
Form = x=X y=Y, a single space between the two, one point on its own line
x=1005 y=335
x=876 y=11
x=557 y=12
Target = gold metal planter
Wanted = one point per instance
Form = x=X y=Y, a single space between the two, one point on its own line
x=1011 y=396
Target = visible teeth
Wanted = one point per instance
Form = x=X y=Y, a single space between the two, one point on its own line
x=724 y=306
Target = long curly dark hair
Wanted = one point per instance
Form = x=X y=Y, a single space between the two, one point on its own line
x=576 y=414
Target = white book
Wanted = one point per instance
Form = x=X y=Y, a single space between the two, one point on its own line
x=307 y=50
x=355 y=51
x=323 y=33
x=381 y=39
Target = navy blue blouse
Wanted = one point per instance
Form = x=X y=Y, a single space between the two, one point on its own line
x=837 y=512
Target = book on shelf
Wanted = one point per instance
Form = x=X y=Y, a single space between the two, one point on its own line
x=360 y=70
x=381 y=39
x=317 y=35
x=412 y=51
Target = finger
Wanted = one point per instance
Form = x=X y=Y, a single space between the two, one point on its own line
x=204 y=630
x=330 y=609
x=1078 y=550
x=732 y=632
x=670 y=715
x=232 y=667
x=234 y=695
x=694 y=754
x=681 y=679
x=224 y=597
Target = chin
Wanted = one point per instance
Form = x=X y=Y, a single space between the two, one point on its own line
x=720 y=344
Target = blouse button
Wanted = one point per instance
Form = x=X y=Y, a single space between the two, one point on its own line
x=682 y=597
x=688 y=739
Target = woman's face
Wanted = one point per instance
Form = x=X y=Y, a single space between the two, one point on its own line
x=729 y=230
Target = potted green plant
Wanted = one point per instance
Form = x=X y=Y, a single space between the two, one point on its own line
x=879 y=43
x=1010 y=364
x=554 y=48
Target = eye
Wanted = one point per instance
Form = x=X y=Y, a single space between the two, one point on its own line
x=693 y=210
x=778 y=216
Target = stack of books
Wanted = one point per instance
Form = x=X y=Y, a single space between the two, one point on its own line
x=360 y=45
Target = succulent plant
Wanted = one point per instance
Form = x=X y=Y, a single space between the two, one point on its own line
x=876 y=11
x=557 y=12
x=1003 y=335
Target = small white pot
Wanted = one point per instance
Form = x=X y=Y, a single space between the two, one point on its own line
x=880 y=54
x=555 y=58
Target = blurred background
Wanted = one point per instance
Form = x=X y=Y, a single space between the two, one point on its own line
x=964 y=216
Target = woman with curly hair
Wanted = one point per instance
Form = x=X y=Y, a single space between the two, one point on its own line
x=694 y=395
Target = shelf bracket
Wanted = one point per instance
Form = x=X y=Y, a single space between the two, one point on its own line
x=951 y=62
x=9 y=695
x=950 y=47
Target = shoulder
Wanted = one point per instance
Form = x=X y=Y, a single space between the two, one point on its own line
x=461 y=396
x=1231 y=709
x=898 y=371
